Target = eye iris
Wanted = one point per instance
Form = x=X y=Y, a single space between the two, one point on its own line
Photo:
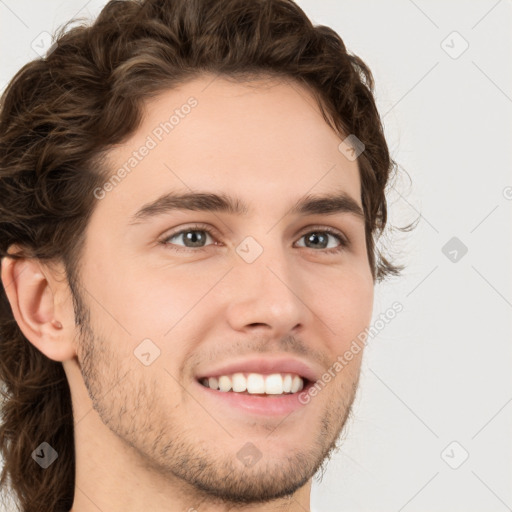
x=314 y=237
x=192 y=236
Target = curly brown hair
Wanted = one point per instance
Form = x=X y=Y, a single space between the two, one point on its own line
x=61 y=113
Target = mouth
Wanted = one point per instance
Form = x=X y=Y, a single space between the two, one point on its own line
x=257 y=384
x=264 y=395
x=266 y=385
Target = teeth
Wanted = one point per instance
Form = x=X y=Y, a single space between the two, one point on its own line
x=256 y=383
x=287 y=383
x=213 y=383
x=297 y=384
x=224 y=383
x=239 y=382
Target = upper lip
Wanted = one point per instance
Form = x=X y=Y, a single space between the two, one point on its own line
x=264 y=365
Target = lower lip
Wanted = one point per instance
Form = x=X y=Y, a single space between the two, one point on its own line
x=262 y=405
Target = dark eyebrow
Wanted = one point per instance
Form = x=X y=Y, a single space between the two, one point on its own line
x=329 y=204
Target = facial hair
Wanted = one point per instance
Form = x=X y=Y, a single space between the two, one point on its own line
x=163 y=444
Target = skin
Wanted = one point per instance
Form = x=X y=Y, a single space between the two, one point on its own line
x=145 y=437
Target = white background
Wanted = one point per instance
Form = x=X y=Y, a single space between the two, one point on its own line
x=440 y=371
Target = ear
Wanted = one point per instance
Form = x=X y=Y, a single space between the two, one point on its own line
x=41 y=304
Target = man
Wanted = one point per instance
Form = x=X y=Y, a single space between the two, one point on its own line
x=189 y=207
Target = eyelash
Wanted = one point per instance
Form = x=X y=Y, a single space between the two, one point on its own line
x=344 y=243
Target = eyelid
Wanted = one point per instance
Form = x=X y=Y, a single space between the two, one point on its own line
x=193 y=227
x=343 y=239
x=328 y=229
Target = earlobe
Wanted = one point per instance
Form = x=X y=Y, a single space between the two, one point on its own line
x=30 y=290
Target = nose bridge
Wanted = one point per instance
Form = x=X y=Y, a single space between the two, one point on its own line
x=265 y=287
x=265 y=256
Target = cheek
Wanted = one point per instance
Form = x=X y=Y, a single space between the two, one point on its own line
x=346 y=305
x=156 y=301
x=153 y=300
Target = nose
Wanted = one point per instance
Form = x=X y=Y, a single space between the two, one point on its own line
x=266 y=294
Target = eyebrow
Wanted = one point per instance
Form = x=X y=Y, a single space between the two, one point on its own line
x=327 y=204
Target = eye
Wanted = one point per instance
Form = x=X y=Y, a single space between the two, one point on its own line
x=191 y=235
x=195 y=238
x=322 y=234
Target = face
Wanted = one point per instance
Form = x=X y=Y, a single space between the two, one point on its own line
x=175 y=295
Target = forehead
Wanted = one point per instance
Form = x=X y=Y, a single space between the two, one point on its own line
x=262 y=140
